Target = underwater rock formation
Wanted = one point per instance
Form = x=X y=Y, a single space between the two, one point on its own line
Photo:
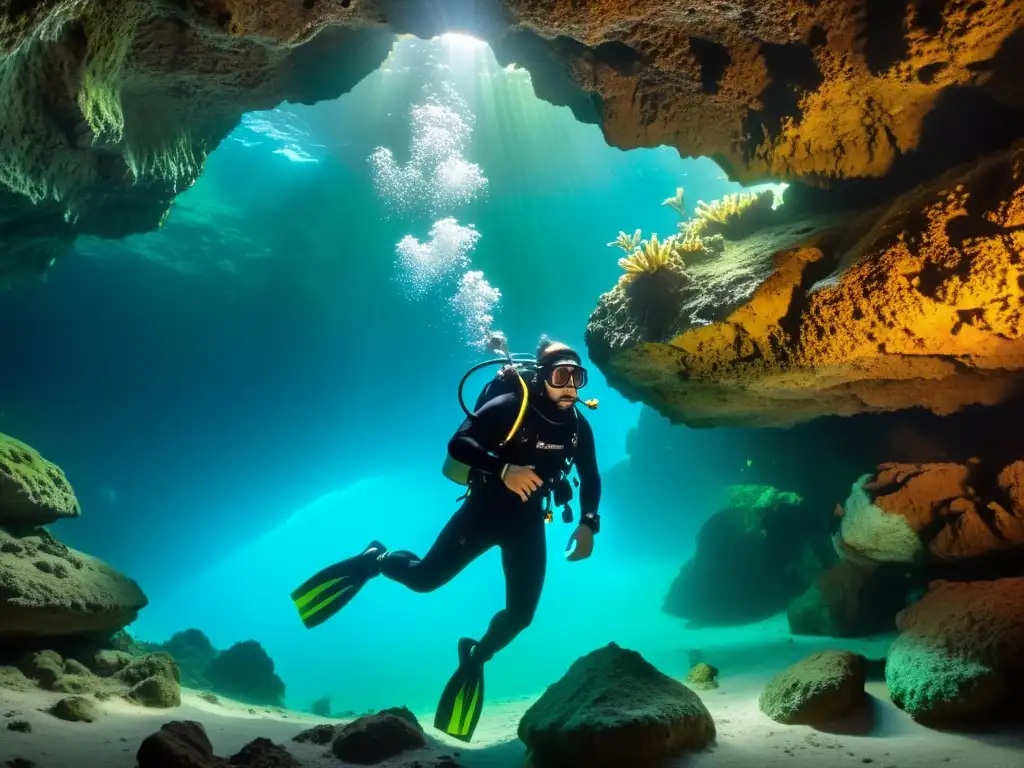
x=958 y=660
x=184 y=744
x=917 y=302
x=752 y=557
x=33 y=491
x=75 y=709
x=613 y=708
x=50 y=590
x=150 y=681
x=852 y=600
x=193 y=652
x=818 y=689
x=113 y=107
x=377 y=739
x=943 y=514
x=245 y=672
x=703 y=676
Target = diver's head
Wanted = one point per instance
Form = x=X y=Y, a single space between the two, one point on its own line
x=561 y=371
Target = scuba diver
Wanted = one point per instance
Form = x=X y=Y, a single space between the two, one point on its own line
x=513 y=453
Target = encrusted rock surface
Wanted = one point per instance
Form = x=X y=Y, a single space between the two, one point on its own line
x=836 y=88
x=916 y=303
x=752 y=557
x=49 y=590
x=112 y=107
x=33 y=491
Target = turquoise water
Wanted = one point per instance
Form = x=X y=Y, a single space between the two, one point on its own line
x=264 y=385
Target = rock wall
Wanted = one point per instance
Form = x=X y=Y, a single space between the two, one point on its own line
x=917 y=302
x=114 y=105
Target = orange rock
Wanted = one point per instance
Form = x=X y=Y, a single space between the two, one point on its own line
x=917 y=303
x=937 y=504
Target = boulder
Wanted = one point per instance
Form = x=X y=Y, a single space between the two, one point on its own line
x=245 y=672
x=958 y=659
x=613 y=709
x=193 y=652
x=752 y=557
x=151 y=681
x=816 y=690
x=33 y=491
x=934 y=514
x=178 y=744
x=703 y=676
x=373 y=739
x=50 y=590
x=851 y=600
x=184 y=744
x=75 y=709
x=263 y=753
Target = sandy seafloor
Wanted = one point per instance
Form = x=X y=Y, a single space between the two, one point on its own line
x=882 y=735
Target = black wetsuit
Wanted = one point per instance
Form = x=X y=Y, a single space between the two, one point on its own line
x=492 y=515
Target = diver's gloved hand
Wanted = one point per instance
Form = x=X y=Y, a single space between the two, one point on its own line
x=583 y=537
x=521 y=480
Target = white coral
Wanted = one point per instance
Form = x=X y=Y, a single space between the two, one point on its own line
x=875 y=534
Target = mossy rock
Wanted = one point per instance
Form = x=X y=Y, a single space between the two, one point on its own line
x=75 y=709
x=818 y=689
x=33 y=491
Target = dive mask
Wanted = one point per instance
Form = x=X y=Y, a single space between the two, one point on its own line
x=564 y=374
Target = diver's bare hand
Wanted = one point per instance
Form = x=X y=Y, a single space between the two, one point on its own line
x=521 y=480
x=583 y=538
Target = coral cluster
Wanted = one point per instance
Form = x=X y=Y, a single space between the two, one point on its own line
x=646 y=257
x=732 y=217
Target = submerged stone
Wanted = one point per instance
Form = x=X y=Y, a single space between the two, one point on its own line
x=613 y=709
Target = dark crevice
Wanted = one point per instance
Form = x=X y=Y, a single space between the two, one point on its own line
x=792 y=64
x=933 y=275
x=792 y=323
x=1001 y=73
x=793 y=72
x=963 y=228
x=928 y=72
x=16 y=8
x=714 y=59
x=817 y=37
x=967 y=317
x=883 y=33
x=621 y=58
x=928 y=15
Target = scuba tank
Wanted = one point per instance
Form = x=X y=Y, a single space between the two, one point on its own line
x=508 y=379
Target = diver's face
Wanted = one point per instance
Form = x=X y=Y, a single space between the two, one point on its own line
x=563 y=397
